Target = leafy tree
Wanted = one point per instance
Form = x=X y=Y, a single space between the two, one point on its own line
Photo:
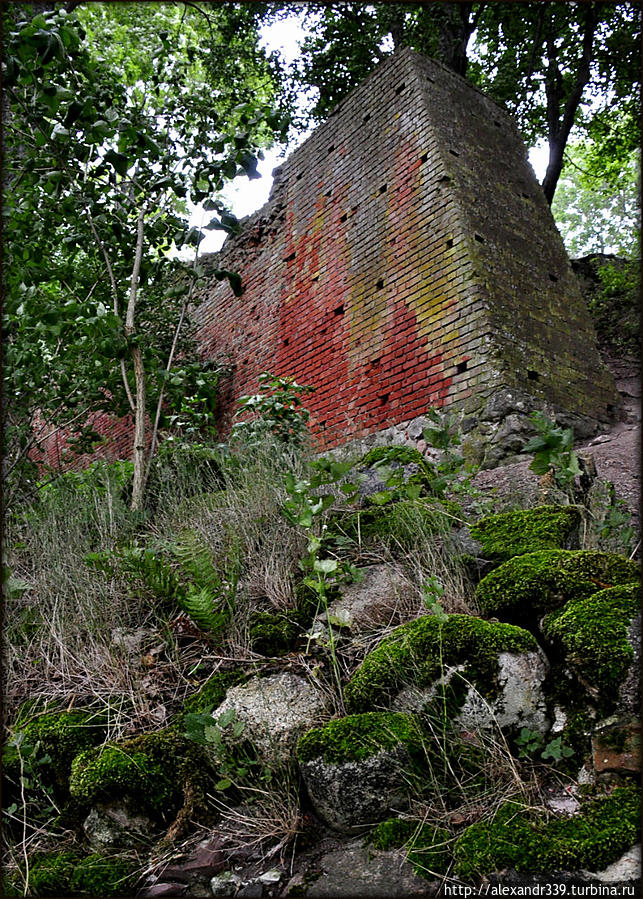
x=597 y=213
x=114 y=122
x=554 y=66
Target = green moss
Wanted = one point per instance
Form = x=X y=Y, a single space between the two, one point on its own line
x=51 y=874
x=358 y=737
x=411 y=656
x=70 y=874
x=533 y=584
x=273 y=634
x=509 y=534
x=212 y=693
x=517 y=838
x=150 y=769
x=403 y=523
x=426 y=845
x=51 y=741
x=593 y=633
x=96 y=875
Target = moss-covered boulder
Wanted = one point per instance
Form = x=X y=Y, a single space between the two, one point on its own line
x=492 y=672
x=50 y=742
x=356 y=769
x=157 y=772
x=531 y=842
x=508 y=534
x=427 y=846
x=593 y=633
x=275 y=633
x=528 y=586
x=70 y=873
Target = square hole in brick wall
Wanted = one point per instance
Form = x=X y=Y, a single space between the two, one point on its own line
x=384 y=398
x=380 y=283
x=461 y=367
x=479 y=238
x=400 y=88
x=553 y=278
x=339 y=310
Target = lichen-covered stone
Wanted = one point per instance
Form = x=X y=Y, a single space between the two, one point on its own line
x=114 y=825
x=356 y=769
x=593 y=634
x=275 y=711
x=508 y=534
x=528 y=842
x=416 y=654
x=533 y=584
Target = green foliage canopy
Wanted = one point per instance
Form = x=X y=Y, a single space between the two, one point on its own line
x=114 y=120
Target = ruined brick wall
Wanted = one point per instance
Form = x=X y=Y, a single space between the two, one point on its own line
x=406 y=259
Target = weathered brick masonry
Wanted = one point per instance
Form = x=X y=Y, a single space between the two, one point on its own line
x=407 y=258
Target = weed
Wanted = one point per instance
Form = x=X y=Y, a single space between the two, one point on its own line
x=552 y=448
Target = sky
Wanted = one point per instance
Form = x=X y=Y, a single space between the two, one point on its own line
x=244 y=196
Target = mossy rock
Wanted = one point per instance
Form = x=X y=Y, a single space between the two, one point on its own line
x=592 y=632
x=275 y=634
x=152 y=769
x=426 y=846
x=69 y=873
x=508 y=534
x=213 y=692
x=533 y=584
x=518 y=838
x=415 y=653
x=403 y=523
x=358 y=737
x=58 y=737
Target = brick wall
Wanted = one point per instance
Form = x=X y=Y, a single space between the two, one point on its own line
x=407 y=258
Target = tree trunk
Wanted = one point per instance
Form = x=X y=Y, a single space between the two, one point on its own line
x=560 y=125
x=138 y=450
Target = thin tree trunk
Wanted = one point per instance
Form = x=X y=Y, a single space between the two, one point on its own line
x=138 y=450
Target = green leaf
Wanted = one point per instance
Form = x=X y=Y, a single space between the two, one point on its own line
x=223 y=784
x=325 y=566
x=118 y=161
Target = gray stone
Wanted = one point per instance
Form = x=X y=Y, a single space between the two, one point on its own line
x=113 y=825
x=276 y=712
x=353 y=794
x=365 y=873
x=373 y=601
x=505 y=402
x=519 y=703
x=225 y=884
x=627 y=868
